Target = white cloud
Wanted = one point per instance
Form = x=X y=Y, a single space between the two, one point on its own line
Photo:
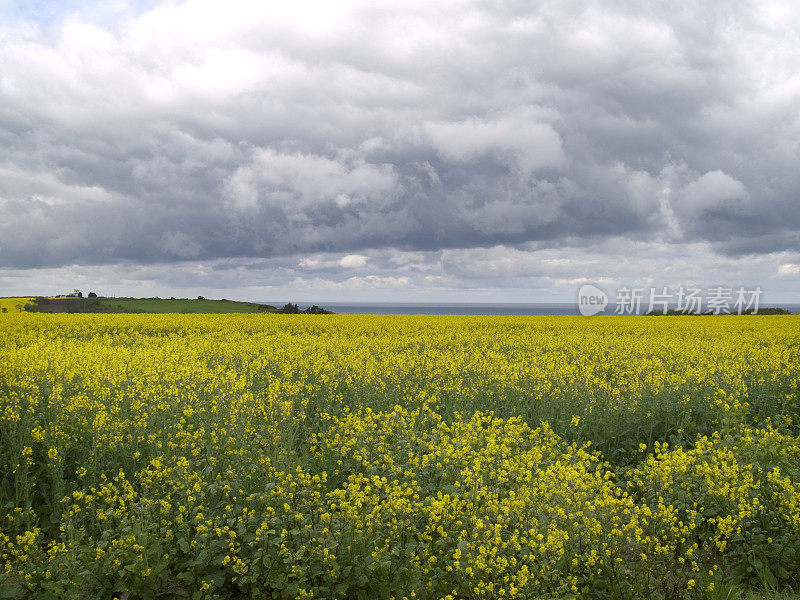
x=522 y=137
x=299 y=180
x=320 y=285
x=353 y=261
x=349 y=261
x=714 y=190
x=45 y=186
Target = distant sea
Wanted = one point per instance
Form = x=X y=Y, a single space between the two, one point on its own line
x=465 y=308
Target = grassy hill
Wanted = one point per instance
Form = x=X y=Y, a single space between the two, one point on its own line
x=145 y=305
x=11 y=305
x=183 y=305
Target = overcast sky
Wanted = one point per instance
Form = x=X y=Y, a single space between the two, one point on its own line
x=398 y=151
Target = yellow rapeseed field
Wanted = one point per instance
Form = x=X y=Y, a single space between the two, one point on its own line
x=13 y=305
x=371 y=457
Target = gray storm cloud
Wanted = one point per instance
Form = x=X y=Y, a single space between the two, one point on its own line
x=216 y=131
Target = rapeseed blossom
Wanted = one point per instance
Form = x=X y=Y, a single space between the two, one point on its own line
x=224 y=456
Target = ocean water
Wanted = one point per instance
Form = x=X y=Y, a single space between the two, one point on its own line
x=466 y=308
x=451 y=309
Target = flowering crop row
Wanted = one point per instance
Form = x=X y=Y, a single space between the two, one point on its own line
x=365 y=457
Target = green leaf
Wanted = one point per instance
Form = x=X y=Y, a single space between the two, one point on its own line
x=10 y=591
x=768 y=577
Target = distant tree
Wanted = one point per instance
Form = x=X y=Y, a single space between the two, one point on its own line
x=91 y=295
x=38 y=304
x=316 y=310
x=290 y=309
x=80 y=294
x=201 y=298
x=767 y=311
